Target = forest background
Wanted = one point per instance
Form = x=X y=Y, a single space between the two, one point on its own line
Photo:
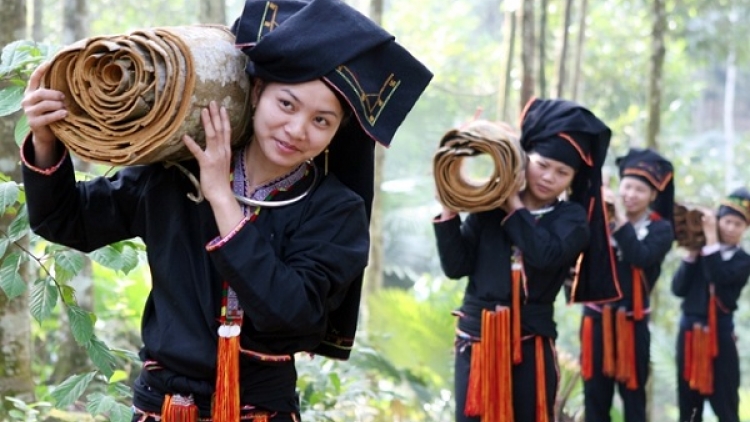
x=669 y=74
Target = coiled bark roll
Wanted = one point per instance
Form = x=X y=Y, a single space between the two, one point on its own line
x=500 y=142
x=688 y=226
x=130 y=98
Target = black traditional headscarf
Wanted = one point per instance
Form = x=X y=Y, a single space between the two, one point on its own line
x=737 y=203
x=656 y=171
x=568 y=132
x=293 y=41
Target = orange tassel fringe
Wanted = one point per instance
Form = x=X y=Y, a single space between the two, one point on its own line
x=632 y=383
x=178 y=409
x=608 y=342
x=490 y=384
x=587 y=348
x=625 y=366
x=541 y=382
x=699 y=368
x=637 y=295
x=474 y=390
x=516 y=307
x=227 y=400
x=621 y=370
x=496 y=383
x=687 y=364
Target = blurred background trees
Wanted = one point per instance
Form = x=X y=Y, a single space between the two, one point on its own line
x=670 y=74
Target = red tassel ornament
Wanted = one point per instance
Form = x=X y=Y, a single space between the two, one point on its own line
x=178 y=408
x=226 y=406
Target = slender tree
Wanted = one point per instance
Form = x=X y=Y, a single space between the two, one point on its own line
x=213 y=11
x=658 y=51
x=528 y=43
x=543 y=47
x=15 y=324
x=575 y=90
x=730 y=87
x=509 y=42
x=37 y=24
x=374 y=273
x=563 y=57
x=75 y=20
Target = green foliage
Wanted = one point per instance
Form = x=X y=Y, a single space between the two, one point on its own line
x=122 y=256
x=10 y=279
x=367 y=387
x=10 y=100
x=423 y=343
x=43 y=298
x=106 y=404
x=71 y=389
x=17 y=61
x=405 y=371
x=26 y=412
x=55 y=267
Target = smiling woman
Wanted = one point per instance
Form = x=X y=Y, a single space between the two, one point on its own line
x=240 y=286
x=294 y=123
x=615 y=336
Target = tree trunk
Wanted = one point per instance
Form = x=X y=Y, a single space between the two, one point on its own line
x=37 y=24
x=15 y=323
x=528 y=44
x=563 y=58
x=509 y=42
x=213 y=11
x=658 y=51
x=543 y=48
x=730 y=86
x=373 y=280
x=575 y=89
x=75 y=21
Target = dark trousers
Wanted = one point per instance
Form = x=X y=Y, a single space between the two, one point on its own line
x=599 y=390
x=524 y=381
x=725 y=400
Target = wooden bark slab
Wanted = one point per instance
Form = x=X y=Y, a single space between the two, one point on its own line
x=688 y=226
x=131 y=98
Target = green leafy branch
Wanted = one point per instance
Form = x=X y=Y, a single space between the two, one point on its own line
x=17 y=61
x=55 y=268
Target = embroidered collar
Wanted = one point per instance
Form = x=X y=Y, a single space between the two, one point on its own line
x=727 y=251
x=541 y=211
x=641 y=226
x=261 y=192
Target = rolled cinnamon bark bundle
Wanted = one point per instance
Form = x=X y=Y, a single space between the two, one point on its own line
x=688 y=226
x=496 y=139
x=130 y=98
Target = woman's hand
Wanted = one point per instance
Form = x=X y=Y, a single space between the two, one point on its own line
x=615 y=209
x=514 y=199
x=710 y=229
x=215 y=160
x=43 y=107
x=215 y=163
